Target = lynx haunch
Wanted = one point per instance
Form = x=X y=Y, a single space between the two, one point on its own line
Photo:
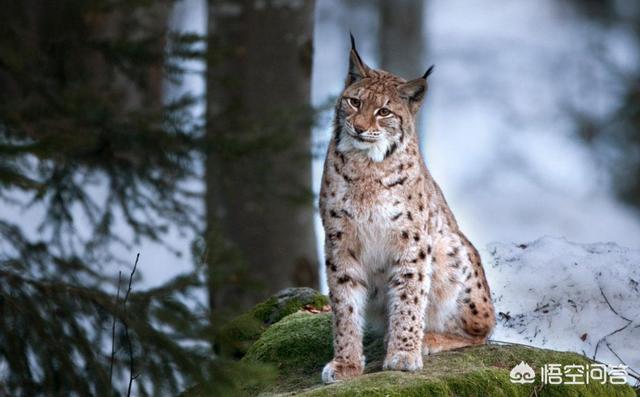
x=393 y=249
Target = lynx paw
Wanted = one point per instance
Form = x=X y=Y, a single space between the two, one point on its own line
x=337 y=370
x=403 y=361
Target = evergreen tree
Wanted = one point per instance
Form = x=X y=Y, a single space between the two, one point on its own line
x=86 y=137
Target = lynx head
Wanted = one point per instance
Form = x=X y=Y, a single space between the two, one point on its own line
x=377 y=109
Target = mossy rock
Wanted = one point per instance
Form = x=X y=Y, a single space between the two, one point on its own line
x=300 y=344
x=235 y=337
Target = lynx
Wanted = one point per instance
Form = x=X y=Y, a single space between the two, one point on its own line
x=393 y=248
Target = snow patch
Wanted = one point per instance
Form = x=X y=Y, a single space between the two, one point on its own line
x=560 y=295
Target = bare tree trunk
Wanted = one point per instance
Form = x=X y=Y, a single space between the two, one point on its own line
x=400 y=40
x=258 y=154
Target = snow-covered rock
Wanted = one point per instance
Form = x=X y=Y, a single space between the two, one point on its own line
x=565 y=296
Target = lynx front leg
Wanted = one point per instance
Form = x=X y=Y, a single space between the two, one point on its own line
x=348 y=299
x=408 y=289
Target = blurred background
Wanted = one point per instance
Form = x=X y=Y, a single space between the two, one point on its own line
x=193 y=132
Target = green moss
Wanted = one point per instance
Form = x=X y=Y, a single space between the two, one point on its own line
x=235 y=337
x=300 y=344
x=443 y=378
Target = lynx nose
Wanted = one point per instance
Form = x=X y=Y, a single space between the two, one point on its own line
x=359 y=130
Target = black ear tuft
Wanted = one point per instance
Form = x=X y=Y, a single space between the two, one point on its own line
x=428 y=72
x=355 y=51
x=357 y=68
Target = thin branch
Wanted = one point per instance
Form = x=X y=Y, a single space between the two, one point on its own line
x=604 y=338
x=113 y=334
x=133 y=271
x=126 y=328
x=611 y=307
x=634 y=374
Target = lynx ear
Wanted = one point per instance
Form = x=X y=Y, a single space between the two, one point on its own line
x=415 y=90
x=357 y=69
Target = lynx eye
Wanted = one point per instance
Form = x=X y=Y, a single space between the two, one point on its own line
x=355 y=102
x=384 y=112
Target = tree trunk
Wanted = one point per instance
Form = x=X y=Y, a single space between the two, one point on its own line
x=258 y=169
x=400 y=41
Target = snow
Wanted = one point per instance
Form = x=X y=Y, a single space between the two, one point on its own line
x=561 y=295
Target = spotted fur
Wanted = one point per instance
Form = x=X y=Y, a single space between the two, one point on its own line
x=394 y=250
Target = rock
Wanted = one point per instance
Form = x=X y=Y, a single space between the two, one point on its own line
x=298 y=346
x=236 y=336
x=301 y=343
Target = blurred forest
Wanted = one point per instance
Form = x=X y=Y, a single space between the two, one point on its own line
x=86 y=134
x=614 y=135
x=91 y=141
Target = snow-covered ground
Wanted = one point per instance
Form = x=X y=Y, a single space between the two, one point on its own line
x=560 y=295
